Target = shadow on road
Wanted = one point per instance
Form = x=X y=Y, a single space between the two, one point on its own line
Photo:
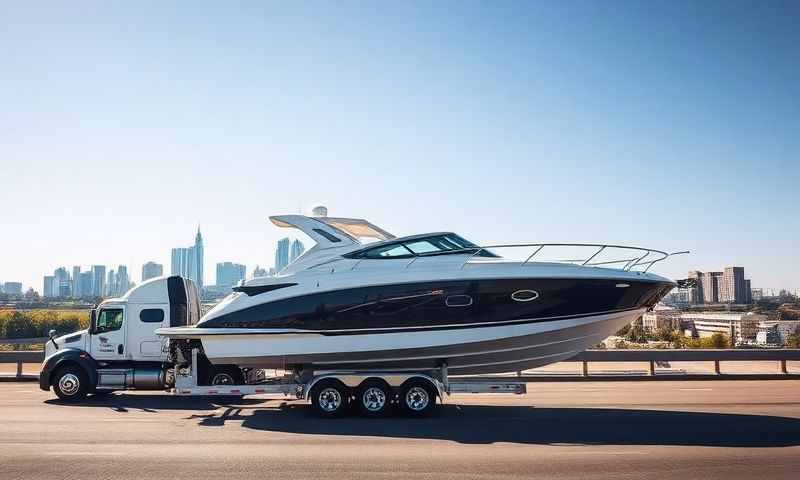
x=479 y=424
x=155 y=402
x=529 y=425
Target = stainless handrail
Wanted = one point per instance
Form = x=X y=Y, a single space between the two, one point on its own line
x=630 y=263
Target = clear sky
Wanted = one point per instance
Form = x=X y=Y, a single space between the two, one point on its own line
x=674 y=125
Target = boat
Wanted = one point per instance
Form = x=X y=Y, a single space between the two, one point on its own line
x=363 y=299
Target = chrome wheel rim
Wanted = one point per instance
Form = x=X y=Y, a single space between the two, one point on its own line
x=222 y=379
x=417 y=398
x=329 y=399
x=69 y=384
x=373 y=399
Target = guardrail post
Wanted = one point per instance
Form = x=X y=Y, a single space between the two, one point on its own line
x=585 y=368
x=19 y=368
x=783 y=367
x=716 y=367
x=652 y=367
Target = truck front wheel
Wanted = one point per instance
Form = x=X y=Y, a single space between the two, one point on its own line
x=70 y=383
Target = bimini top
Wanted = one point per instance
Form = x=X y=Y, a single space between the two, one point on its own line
x=332 y=232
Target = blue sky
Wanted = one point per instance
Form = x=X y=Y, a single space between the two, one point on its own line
x=672 y=125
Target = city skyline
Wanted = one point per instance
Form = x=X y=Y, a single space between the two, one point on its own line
x=505 y=123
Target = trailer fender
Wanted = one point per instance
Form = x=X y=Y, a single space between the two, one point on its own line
x=66 y=356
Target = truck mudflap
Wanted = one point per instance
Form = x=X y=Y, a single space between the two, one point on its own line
x=67 y=356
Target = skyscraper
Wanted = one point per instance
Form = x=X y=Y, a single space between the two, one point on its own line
x=111 y=283
x=98 y=280
x=282 y=254
x=732 y=287
x=152 y=270
x=48 y=288
x=85 y=284
x=188 y=262
x=696 y=292
x=711 y=287
x=76 y=282
x=13 y=288
x=123 y=281
x=297 y=249
x=62 y=283
x=229 y=274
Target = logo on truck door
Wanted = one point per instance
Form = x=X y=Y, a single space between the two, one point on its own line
x=104 y=345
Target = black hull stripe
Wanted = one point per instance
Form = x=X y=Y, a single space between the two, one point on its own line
x=330 y=333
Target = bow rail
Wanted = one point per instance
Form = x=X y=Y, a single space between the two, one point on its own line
x=637 y=259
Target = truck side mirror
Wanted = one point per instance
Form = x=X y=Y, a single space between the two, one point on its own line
x=93 y=321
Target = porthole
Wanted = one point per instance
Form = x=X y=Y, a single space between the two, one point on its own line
x=524 y=295
x=458 y=301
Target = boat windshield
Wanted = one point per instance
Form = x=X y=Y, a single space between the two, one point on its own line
x=437 y=244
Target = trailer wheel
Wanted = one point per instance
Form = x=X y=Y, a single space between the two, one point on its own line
x=418 y=398
x=70 y=383
x=374 y=397
x=226 y=375
x=330 y=398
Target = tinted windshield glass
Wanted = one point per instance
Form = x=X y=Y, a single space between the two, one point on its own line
x=433 y=245
x=442 y=243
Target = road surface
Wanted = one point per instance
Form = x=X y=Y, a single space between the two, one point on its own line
x=561 y=430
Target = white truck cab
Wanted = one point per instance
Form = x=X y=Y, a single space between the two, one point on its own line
x=120 y=349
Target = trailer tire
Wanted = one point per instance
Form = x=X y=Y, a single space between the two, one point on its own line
x=225 y=375
x=374 y=397
x=418 y=397
x=330 y=398
x=70 y=383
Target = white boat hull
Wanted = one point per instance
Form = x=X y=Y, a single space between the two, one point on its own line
x=473 y=350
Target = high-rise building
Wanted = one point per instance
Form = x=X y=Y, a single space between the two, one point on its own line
x=711 y=287
x=282 y=254
x=188 y=262
x=748 y=292
x=123 y=281
x=62 y=282
x=13 y=288
x=696 y=292
x=85 y=284
x=49 y=286
x=98 y=280
x=229 y=274
x=152 y=270
x=76 y=282
x=732 y=287
x=111 y=283
x=296 y=250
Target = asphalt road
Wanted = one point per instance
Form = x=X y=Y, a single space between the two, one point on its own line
x=665 y=429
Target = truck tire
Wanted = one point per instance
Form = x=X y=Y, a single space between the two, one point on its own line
x=330 y=398
x=418 y=398
x=70 y=383
x=374 y=397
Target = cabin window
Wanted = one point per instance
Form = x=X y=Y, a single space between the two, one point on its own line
x=388 y=251
x=152 y=315
x=458 y=301
x=110 y=319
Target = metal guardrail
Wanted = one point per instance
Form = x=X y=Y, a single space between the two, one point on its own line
x=652 y=356
x=22 y=357
x=649 y=356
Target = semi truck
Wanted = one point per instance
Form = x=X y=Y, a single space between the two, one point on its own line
x=121 y=351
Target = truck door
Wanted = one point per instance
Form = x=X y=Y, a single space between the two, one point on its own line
x=108 y=335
